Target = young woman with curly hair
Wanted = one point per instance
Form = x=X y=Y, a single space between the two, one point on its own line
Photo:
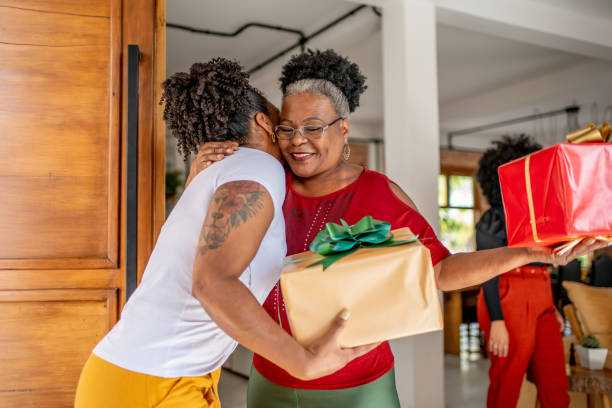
x=217 y=257
x=320 y=90
x=515 y=310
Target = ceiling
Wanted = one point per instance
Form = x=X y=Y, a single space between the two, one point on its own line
x=253 y=45
x=593 y=8
x=470 y=64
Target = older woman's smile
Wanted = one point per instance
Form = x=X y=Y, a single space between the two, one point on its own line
x=301 y=156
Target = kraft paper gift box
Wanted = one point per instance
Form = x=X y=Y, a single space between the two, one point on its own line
x=559 y=194
x=390 y=291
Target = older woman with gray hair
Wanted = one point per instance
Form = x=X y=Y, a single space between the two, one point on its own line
x=320 y=90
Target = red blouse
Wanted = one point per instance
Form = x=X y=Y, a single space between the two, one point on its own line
x=305 y=216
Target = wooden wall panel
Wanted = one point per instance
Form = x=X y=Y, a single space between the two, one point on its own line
x=359 y=154
x=42 y=359
x=465 y=161
x=59 y=111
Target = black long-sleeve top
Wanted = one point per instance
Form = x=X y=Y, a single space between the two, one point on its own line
x=491 y=233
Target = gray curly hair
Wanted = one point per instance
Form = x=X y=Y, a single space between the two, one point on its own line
x=320 y=87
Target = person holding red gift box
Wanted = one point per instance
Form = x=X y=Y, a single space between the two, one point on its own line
x=515 y=310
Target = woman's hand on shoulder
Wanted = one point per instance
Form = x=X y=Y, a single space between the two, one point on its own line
x=208 y=153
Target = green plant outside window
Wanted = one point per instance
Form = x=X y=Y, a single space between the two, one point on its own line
x=457 y=213
x=442 y=191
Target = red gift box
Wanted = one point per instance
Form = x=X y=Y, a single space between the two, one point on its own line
x=558 y=194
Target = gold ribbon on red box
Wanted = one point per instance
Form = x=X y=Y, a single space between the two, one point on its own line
x=591 y=134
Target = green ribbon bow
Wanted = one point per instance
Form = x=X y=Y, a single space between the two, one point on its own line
x=337 y=241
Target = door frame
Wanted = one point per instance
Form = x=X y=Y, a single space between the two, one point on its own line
x=144 y=24
x=159 y=126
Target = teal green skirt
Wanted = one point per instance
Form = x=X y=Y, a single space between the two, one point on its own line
x=380 y=393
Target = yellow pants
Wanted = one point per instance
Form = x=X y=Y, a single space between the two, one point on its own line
x=104 y=385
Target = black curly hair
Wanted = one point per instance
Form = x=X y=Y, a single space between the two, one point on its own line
x=505 y=150
x=328 y=65
x=212 y=102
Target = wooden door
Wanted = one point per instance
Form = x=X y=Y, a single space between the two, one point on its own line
x=62 y=131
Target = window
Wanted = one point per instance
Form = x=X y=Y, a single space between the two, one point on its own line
x=458 y=211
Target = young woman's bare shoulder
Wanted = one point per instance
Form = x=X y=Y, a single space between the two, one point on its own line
x=399 y=193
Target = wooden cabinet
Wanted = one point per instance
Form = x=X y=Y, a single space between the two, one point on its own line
x=62 y=201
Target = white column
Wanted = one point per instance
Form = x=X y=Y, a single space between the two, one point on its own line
x=412 y=161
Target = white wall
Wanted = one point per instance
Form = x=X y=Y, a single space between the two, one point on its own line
x=412 y=160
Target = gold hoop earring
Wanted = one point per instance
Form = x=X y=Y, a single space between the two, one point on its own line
x=346 y=153
x=273 y=136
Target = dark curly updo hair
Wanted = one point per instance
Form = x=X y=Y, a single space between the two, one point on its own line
x=212 y=102
x=327 y=66
x=505 y=150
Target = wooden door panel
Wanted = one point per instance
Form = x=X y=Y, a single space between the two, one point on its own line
x=53 y=217
x=60 y=278
x=31 y=27
x=77 y=7
x=49 y=334
x=60 y=102
x=62 y=227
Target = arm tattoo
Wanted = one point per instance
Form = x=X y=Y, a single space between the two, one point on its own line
x=232 y=204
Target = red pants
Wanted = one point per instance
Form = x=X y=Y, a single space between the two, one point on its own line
x=535 y=343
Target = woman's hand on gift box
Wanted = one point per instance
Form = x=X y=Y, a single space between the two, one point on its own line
x=550 y=256
x=325 y=356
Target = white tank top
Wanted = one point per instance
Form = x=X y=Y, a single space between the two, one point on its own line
x=164 y=331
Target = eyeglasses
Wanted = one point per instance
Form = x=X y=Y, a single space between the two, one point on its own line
x=284 y=132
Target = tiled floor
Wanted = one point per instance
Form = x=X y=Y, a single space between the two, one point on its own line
x=465 y=384
x=465 y=381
